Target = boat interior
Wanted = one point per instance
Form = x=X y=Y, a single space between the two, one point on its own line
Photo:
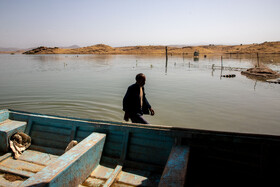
x=102 y=157
x=126 y=154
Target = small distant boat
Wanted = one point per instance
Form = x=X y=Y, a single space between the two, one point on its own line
x=125 y=154
x=196 y=54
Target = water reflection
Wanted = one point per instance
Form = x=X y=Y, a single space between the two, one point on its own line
x=195 y=59
x=102 y=59
x=255 y=85
x=184 y=92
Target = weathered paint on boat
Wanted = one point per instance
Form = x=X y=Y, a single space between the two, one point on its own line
x=126 y=154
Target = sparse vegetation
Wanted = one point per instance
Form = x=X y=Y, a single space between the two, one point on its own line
x=266 y=47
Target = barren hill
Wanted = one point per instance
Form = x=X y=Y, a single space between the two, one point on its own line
x=266 y=47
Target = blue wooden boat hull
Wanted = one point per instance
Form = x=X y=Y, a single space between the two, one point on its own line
x=115 y=153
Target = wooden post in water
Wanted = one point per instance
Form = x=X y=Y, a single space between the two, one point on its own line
x=258 y=59
x=221 y=62
x=166 y=53
x=221 y=67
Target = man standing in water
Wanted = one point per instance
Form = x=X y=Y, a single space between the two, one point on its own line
x=135 y=103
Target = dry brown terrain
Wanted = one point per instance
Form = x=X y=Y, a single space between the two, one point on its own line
x=266 y=47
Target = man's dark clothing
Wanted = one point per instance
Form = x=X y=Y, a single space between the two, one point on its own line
x=132 y=102
x=138 y=118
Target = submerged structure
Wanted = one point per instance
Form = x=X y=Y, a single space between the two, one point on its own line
x=261 y=73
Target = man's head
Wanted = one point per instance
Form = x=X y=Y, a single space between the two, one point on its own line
x=140 y=79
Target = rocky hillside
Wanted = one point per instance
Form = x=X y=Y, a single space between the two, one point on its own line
x=43 y=50
x=266 y=47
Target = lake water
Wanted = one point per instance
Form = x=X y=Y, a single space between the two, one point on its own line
x=188 y=93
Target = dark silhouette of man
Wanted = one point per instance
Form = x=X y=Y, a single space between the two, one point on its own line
x=135 y=103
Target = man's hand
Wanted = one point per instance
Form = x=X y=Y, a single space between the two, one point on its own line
x=152 y=111
x=126 y=116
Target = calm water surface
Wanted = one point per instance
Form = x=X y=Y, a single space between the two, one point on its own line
x=187 y=93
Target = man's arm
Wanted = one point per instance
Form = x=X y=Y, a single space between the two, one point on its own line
x=148 y=105
x=126 y=116
x=152 y=111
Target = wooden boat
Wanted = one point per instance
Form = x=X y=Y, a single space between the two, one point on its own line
x=127 y=154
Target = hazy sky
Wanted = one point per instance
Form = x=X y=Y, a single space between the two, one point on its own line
x=32 y=23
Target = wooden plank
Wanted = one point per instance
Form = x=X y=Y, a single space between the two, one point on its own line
x=51 y=129
x=51 y=121
x=175 y=171
x=49 y=143
x=132 y=177
x=113 y=145
x=113 y=176
x=4 y=115
x=152 y=155
x=21 y=165
x=29 y=126
x=149 y=136
x=102 y=172
x=83 y=134
x=152 y=143
x=112 y=149
x=50 y=136
x=94 y=182
x=50 y=150
x=37 y=157
x=5 y=156
x=116 y=135
x=16 y=171
x=124 y=145
x=9 y=126
x=73 y=167
x=133 y=164
x=115 y=138
x=143 y=166
x=73 y=132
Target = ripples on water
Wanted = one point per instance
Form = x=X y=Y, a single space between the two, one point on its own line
x=187 y=93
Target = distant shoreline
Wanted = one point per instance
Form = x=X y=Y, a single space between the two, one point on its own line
x=266 y=47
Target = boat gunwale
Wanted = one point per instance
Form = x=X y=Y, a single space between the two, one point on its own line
x=175 y=131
